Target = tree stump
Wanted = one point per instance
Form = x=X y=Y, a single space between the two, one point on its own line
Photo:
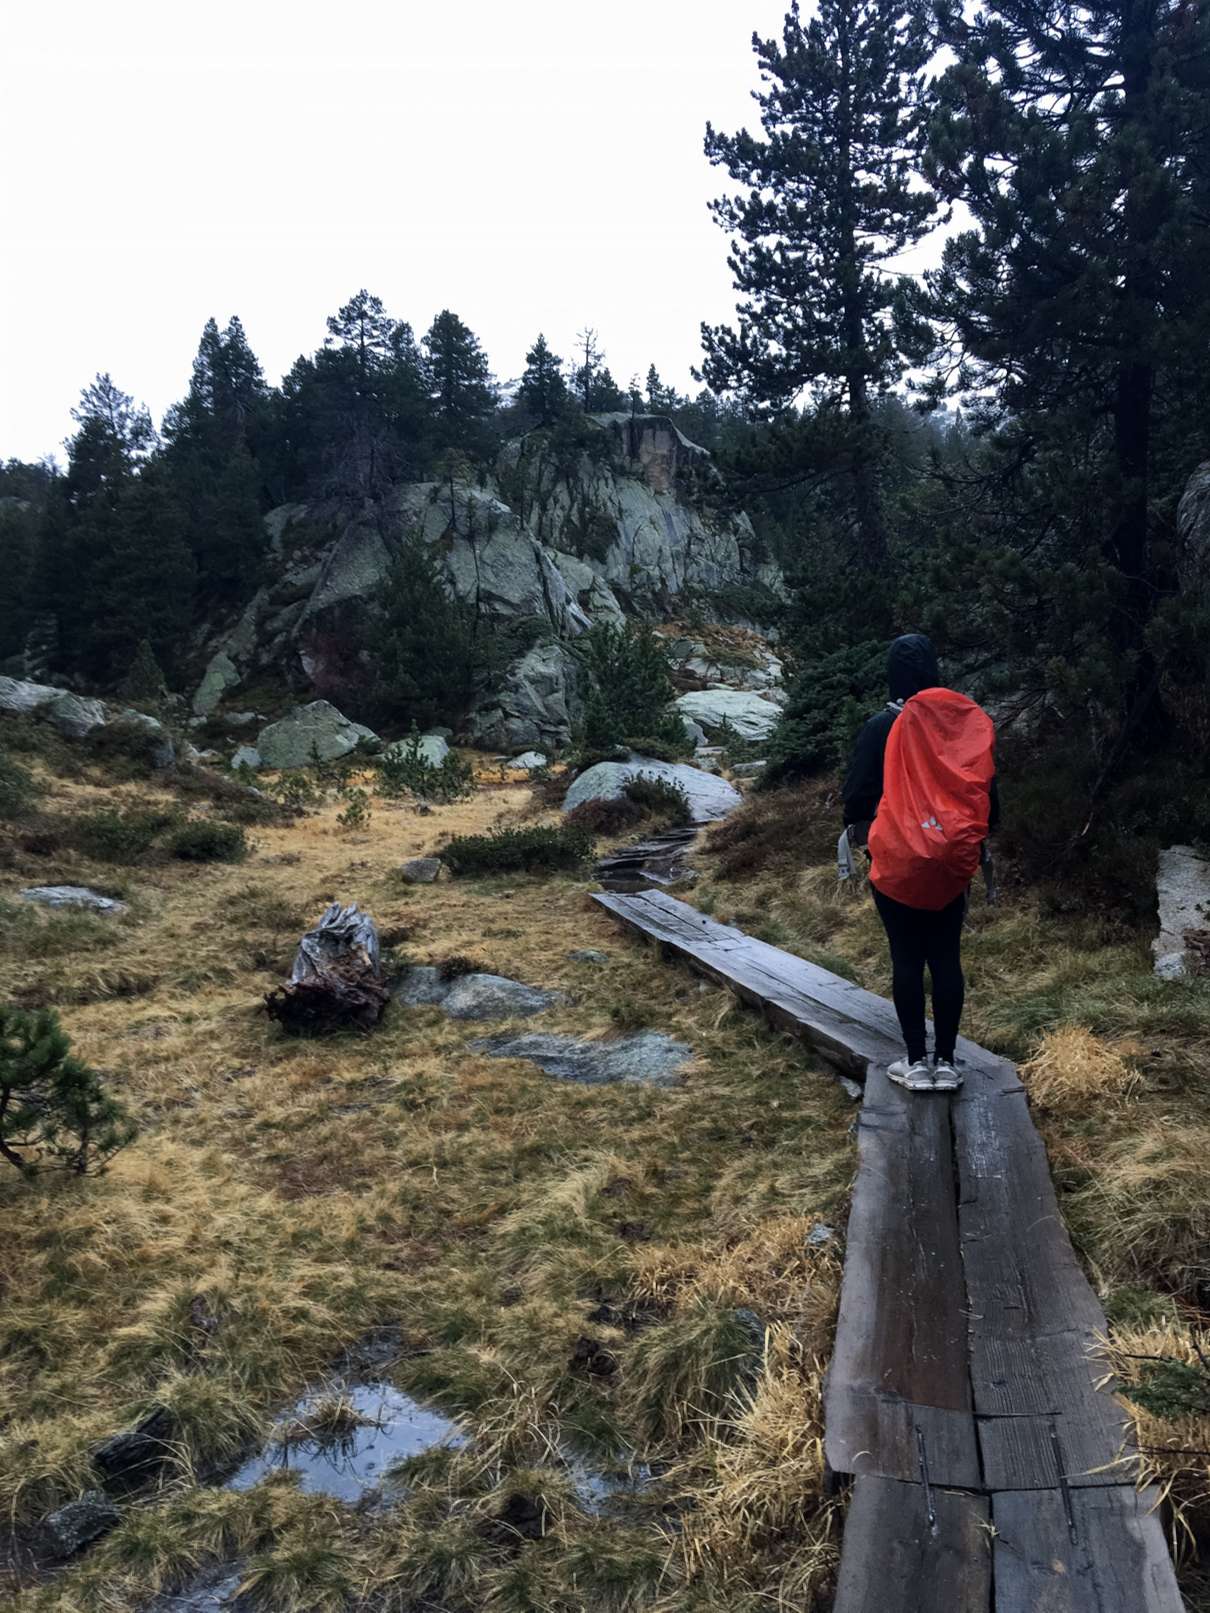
x=336 y=982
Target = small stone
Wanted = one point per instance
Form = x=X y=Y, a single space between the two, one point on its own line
x=72 y=896
x=530 y=760
x=420 y=870
x=820 y=1234
x=129 y=1456
x=854 y=1091
x=80 y=1522
x=588 y=955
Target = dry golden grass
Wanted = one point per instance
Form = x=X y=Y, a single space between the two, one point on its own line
x=1073 y=1068
x=286 y=1195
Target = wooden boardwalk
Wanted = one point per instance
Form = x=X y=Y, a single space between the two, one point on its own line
x=991 y=1466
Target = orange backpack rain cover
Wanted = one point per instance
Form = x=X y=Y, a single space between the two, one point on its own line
x=932 y=821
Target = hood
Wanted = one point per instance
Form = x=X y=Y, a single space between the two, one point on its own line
x=911 y=665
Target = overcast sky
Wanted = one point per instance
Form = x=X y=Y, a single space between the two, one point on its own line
x=533 y=165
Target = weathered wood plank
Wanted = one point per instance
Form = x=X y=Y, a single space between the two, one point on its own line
x=1100 y=1551
x=1034 y=1317
x=898 y=1387
x=908 y=1551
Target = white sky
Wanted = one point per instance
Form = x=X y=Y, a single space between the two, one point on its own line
x=531 y=164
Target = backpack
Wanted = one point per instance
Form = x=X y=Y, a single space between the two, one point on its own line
x=927 y=839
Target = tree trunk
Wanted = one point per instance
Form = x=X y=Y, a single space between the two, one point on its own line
x=336 y=982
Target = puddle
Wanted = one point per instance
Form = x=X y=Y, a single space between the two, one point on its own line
x=596 y=1487
x=394 y=1427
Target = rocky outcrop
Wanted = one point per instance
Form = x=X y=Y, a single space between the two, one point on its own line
x=709 y=797
x=536 y=705
x=1183 y=900
x=80 y=717
x=1193 y=527
x=317 y=732
x=78 y=896
x=631 y=522
x=751 y=716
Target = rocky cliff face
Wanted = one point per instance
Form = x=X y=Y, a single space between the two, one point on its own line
x=630 y=521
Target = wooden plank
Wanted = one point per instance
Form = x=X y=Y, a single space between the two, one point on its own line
x=1098 y=1551
x=1034 y=1318
x=908 y=1551
x=843 y=1021
x=898 y=1374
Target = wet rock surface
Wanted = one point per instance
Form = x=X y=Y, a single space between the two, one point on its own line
x=1183 y=898
x=72 y=1527
x=648 y=1058
x=750 y=715
x=77 y=896
x=474 y=996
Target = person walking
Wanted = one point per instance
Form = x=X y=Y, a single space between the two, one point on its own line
x=921 y=794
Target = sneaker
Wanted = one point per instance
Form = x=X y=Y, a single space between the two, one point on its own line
x=945 y=1077
x=916 y=1076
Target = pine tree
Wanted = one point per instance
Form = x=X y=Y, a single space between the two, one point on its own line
x=460 y=383
x=661 y=399
x=595 y=387
x=543 y=391
x=828 y=197
x=1079 y=139
x=54 y=1110
x=144 y=683
x=214 y=480
x=352 y=370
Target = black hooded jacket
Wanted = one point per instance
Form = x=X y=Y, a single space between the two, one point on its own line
x=911 y=666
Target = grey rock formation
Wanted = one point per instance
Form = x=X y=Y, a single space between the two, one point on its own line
x=649 y=1058
x=78 y=716
x=1183 y=895
x=420 y=870
x=749 y=769
x=536 y=706
x=78 y=896
x=749 y=715
x=432 y=748
x=1193 y=527
x=709 y=797
x=247 y=756
x=474 y=996
x=529 y=760
x=318 y=729
x=76 y=1525
x=627 y=529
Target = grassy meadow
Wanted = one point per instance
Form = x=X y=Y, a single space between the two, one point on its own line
x=285 y=1196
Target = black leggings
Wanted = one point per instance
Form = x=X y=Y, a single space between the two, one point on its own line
x=918 y=937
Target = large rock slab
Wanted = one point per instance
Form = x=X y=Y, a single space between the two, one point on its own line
x=709 y=797
x=318 y=730
x=1183 y=894
x=749 y=715
x=474 y=996
x=647 y=1059
x=78 y=896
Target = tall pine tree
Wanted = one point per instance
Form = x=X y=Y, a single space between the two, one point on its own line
x=543 y=391
x=460 y=383
x=1078 y=136
x=828 y=196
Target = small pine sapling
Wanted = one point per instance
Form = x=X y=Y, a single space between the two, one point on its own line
x=54 y=1112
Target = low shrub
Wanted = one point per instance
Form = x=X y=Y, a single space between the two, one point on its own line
x=507 y=851
x=54 y=1111
x=118 y=836
x=406 y=770
x=204 y=841
x=601 y=817
x=18 y=791
x=659 y=798
x=786 y=828
x=131 y=747
x=355 y=814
